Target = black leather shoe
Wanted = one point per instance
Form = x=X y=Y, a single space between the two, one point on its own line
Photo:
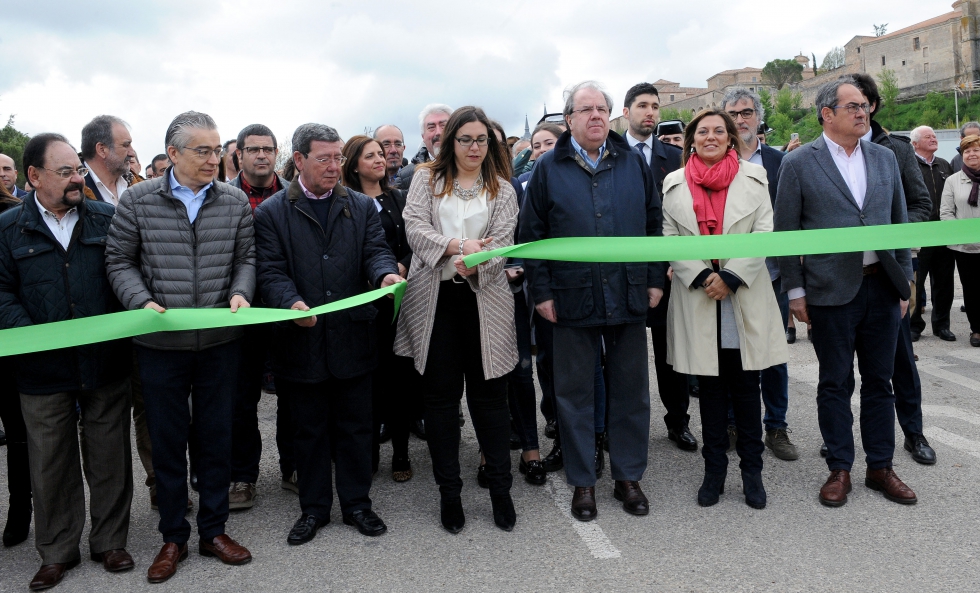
x=915 y=335
x=790 y=335
x=975 y=340
x=481 y=476
x=418 y=429
x=18 y=524
x=711 y=488
x=367 y=522
x=632 y=497
x=533 y=471
x=304 y=529
x=683 y=437
x=945 y=335
x=554 y=460
x=551 y=428
x=384 y=434
x=755 y=493
x=600 y=459
x=962 y=308
x=823 y=450
x=919 y=447
x=504 y=515
x=453 y=519
x=583 y=504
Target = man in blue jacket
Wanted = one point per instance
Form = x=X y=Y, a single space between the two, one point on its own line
x=318 y=242
x=594 y=185
x=52 y=268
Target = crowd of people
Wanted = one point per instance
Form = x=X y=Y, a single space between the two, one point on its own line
x=216 y=225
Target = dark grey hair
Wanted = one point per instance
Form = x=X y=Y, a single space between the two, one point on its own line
x=377 y=130
x=827 y=95
x=254 y=130
x=588 y=84
x=969 y=125
x=178 y=132
x=736 y=94
x=99 y=130
x=306 y=134
x=429 y=110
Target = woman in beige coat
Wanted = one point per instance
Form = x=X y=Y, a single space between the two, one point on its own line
x=458 y=322
x=723 y=323
x=960 y=201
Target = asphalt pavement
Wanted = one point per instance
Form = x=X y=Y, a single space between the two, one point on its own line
x=794 y=544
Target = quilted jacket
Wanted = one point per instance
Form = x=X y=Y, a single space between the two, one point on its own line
x=155 y=254
x=298 y=260
x=41 y=282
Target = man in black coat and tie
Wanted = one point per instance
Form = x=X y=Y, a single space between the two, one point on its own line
x=855 y=301
x=641 y=108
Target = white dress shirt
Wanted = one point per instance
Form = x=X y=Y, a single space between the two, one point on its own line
x=63 y=228
x=462 y=219
x=647 y=149
x=110 y=195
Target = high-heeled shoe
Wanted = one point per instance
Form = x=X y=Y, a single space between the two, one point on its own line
x=755 y=493
x=504 y=514
x=401 y=469
x=711 y=488
x=453 y=519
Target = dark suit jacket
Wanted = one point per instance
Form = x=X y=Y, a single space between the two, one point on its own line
x=812 y=194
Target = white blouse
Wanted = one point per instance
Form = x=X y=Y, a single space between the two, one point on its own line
x=462 y=219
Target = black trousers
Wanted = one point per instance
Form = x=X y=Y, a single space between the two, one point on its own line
x=18 y=470
x=905 y=383
x=211 y=377
x=455 y=359
x=969 y=266
x=333 y=421
x=671 y=384
x=743 y=389
x=395 y=394
x=938 y=264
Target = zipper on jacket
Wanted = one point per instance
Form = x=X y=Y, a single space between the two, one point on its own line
x=197 y=334
x=323 y=233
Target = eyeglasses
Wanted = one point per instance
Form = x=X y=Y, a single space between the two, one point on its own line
x=336 y=159
x=389 y=144
x=68 y=172
x=853 y=108
x=204 y=152
x=466 y=141
x=253 y=150
x=602 y=109
x=745 y=113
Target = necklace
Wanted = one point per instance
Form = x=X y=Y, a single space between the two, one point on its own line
x=468 y=194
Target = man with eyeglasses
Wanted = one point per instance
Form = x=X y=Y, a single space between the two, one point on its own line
x=855 y=301
x=8 y=176
x=257 y=152
x=745 y=108
x=52 y=268
x=432 y=122
x=393 y=143
x=319 y=242
x=107 y=151
x=186 y=241
x=594 y=184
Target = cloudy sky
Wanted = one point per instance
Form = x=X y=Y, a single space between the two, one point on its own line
x=360 y=64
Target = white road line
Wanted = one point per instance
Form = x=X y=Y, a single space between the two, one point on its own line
x=951 y=412
x=936 y=371
x=967 y=355
x=590 y=533
x=953 y=440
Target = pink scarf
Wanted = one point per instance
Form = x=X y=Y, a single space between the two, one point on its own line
x=710 y=210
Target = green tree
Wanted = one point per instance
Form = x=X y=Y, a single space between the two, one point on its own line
x=834 y=59
x=779 y=73
x=669 y=113
x=888 y=88
x=12 y=143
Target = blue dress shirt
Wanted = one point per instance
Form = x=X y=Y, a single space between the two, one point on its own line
x=191 y=200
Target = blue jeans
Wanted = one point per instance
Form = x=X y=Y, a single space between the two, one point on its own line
x=520 y=381
x=775 y=379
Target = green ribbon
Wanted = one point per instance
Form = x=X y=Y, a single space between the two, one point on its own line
x=101 y=328
x=786 y=243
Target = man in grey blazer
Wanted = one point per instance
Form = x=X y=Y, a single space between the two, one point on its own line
x=855 y=301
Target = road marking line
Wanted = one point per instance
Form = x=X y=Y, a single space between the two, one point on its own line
x=951 y=412
x=590 y=533
x=950 y=376
x=967 y=355
x=953 y=440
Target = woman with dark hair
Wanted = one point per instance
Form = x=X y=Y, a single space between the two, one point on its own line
x=457 y=322
x=723 y=323
x=393 y=404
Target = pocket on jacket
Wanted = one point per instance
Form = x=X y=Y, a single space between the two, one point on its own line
x=573 y=293
x=637 y=301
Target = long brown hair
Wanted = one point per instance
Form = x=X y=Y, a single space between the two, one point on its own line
x=444 y=167
x=7 y=200
x=353 y=149
x=734 y=140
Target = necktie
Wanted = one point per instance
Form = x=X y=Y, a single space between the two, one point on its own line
x=639 y=148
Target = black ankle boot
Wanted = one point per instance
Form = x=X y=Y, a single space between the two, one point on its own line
x=711 y=488
x=600 y=459
x=19 y=512
x=755 y=494
x=453 y=519
x=554 y=461
x=504 y=514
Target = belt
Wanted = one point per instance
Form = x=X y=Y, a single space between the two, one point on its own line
x=872 y=269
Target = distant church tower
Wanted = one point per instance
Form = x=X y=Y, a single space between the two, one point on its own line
x=527 y=130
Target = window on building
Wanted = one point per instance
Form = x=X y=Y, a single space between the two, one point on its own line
x=859 y=50
x=753 y=79
x=672 y=98
x=751 y=89
x=925 y=68
x=903 y=62
x=882 y=60
x=915 y=43
x=925 y=52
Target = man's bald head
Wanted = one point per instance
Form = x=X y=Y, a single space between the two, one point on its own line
x=8 y=173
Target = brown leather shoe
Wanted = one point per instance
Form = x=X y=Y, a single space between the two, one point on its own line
x=885 y=481
x=165 y=564
x=583 y=504
x=50 y=575
x=834 y=491
x=226 y=549
x=114 y=560
x=634 y=502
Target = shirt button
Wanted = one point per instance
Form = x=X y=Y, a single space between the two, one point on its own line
x=67 y=264
x=30 y=251
x=605 y=281
x=608 y=314
x=325 y=256
x=598 y=214
x=328 y=293
x=595 y=185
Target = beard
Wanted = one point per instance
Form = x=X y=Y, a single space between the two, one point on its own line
x=70 y=202
x=117 y=166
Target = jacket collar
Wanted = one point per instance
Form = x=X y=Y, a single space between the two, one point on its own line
x=615 y=145
x=30 y=217
x=294 y=192
x=747 y=179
